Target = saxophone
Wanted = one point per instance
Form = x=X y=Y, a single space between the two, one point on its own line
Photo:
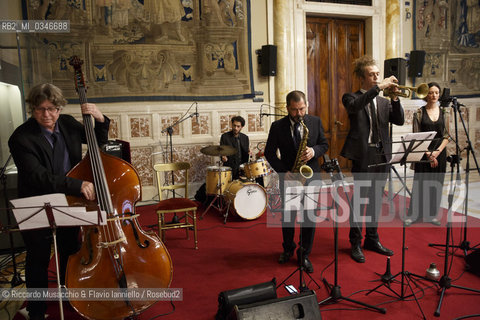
x=300 y=166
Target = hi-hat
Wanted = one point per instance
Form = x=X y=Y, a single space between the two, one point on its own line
x=218 y=150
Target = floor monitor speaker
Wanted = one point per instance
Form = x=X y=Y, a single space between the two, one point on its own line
x=246 y=295
x=299 y=306
x=473 y=262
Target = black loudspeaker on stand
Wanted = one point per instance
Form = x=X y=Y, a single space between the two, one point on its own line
x=268 y=60
x=416 y=63
x=396 y=67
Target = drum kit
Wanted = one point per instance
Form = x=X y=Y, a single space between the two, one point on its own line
x=247 y=198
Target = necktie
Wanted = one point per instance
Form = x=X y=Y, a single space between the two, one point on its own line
x=238 y=155
x=58 y=154
x=374 y=123
x=296 y=135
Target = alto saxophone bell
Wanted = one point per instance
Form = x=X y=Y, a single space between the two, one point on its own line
x=306 y=171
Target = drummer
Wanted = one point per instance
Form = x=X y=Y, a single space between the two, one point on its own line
x=234 y=138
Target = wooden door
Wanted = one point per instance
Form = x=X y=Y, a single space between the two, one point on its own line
x=332 y=46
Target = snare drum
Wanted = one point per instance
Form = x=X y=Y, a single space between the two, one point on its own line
x=217 y=179
x=249 y=199
x=256 y=169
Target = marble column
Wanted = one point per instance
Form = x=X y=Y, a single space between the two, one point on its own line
x=392 y=36
x=283 y=40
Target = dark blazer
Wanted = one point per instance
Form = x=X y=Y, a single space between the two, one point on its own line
x=357 y=104
x=228 y=139
x=33 y=155
x=280 y=137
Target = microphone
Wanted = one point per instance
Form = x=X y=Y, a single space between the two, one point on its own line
x=387 y=276
x=196 y=110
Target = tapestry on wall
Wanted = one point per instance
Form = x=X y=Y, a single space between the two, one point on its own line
x=149 y=49
x=449 y=32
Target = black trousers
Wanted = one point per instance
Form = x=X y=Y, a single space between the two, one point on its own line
x=307 y=227
x=38 y=244
x=376 y=176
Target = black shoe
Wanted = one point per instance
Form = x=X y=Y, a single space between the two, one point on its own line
x=285 y=256
x=307 y=265
x=36 y=316
x=377 y=247
x=357 y=254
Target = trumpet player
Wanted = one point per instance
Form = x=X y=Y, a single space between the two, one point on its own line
x=368 y=144
x=287 y=135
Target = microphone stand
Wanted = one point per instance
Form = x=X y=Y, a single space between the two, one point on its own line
x=445 y=281
x=465 y=244
x=16 y=279
x=169 y=131
x=335 y=293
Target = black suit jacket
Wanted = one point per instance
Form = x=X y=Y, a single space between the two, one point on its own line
x=357 y=104
x=280 y=137
x=33 y=156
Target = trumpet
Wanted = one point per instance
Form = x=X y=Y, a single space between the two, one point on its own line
x=406 y=92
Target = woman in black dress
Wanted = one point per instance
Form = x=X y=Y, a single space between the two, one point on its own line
x=430 y=173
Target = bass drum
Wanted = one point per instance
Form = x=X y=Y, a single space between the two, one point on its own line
x=248 y=199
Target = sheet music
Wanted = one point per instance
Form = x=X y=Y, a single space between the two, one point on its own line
x=419 y=147
x=62 y=213
x=310 y=197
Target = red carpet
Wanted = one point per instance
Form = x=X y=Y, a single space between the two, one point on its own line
x=242 y=253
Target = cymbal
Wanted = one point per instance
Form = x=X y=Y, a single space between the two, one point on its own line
x=218 y=150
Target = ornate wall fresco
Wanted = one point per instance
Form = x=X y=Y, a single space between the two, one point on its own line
x=140 y=50
x=449 y=32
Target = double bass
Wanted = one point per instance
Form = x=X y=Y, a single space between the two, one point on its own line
x=118 y=255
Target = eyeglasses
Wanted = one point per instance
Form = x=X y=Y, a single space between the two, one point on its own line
x=49 y=109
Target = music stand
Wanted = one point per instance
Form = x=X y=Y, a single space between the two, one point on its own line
x=409 y=149
x=335 y=293
x=295 y=198
x=52 y=211
x=16 y=279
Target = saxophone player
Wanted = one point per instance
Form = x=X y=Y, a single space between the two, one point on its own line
x=286 y=136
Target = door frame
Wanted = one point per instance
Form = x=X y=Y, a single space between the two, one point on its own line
x=373 y=15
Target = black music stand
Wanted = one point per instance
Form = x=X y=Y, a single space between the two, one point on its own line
x=335 y=293
x=411 y=149
x=298 y=194
x=16 y=279
x=38 y=212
